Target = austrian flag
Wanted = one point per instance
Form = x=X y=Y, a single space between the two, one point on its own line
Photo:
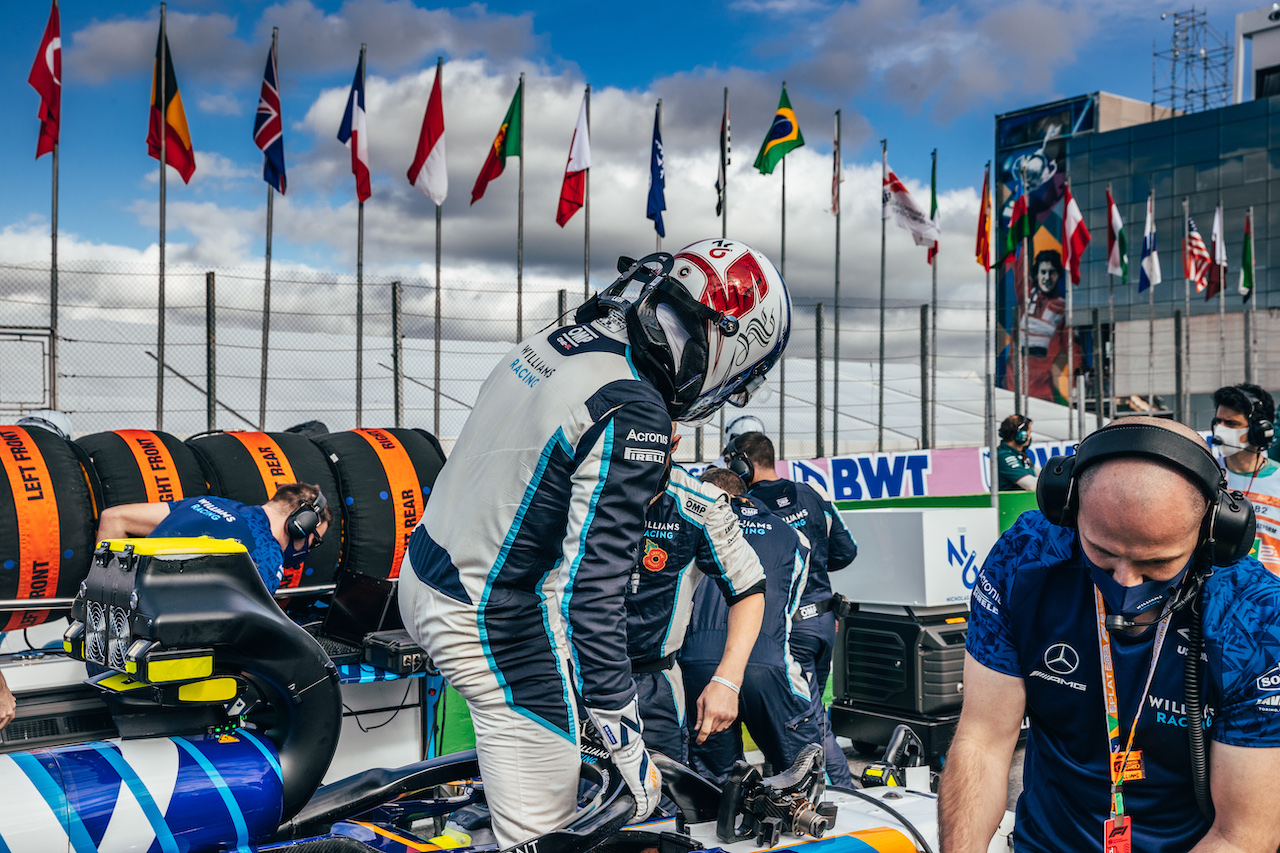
x=573 y=192
x=1075 y=236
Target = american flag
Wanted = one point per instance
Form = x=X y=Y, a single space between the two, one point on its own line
x=1195 y=258
x=268 y=128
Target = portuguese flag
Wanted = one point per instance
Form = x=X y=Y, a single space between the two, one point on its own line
x=506 y=144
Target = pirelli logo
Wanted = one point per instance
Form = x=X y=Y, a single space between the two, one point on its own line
x=641 y=454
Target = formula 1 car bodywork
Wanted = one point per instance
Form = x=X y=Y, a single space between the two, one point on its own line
x=229 y=714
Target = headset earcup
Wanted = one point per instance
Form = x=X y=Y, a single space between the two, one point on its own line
x=740 y=465
x=1234 y=528
x=302 y=522
x=1053 y=491
x=1261 y=433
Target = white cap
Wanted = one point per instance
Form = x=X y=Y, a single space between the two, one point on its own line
x=51 y=419
x=742 y=424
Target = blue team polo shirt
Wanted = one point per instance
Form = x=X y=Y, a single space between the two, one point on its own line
x=1032 y=616
x=223 y=518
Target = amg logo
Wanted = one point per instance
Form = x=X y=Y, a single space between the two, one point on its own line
x=637 y=454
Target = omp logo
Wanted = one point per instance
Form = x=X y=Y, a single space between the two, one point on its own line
x=655 y=437
x=638 y=454
x=694 y=507
x=575 y=336
x=964 y=558
x=784 y=501
x=1270 y=680
x=1061 y=658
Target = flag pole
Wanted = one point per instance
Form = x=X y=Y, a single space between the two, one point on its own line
x=884 y=176
x=520 y=228
x=1151 y=314
x=835 y=349
x=724 y=199
x=53 y=287
x=586 y=212
x=658 y=237
x=164 y=126
x=1111 y=322
x=989 y=341
x=1184 y=356
x=1221 y=249
x=360 y=280
x=782 y=362
x=933 y=319
x=436 y=373
x=1024 y=385
x=266 y=281
x=1069 y=328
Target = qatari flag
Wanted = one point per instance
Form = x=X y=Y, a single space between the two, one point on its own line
x=268 y=126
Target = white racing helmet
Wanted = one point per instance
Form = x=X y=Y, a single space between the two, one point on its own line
x=706 y=324
x=740 y=425
x=51 y=419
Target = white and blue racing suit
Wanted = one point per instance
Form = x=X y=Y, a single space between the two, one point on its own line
x=514 y=579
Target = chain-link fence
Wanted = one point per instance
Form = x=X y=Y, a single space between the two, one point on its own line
x=327 y=353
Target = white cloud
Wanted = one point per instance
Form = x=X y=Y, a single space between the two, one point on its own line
x=219 y=104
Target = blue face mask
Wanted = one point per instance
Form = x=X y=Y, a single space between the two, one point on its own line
x=1131 y=601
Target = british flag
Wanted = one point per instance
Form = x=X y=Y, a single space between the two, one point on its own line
x=268 y=127
x=1195 y=258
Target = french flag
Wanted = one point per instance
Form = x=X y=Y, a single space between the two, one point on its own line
x=354 y=133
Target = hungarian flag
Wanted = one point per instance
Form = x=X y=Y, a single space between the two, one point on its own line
x=508 y=143
x=1217 y=256
x=178 y=151
x=573 y=190
x=1117 y=246
x=783 y=136
x=982 y=248
x=1195 y=257
x=1075 y=236
x=427 y=172
x=268 y=126
x=46 y=79
x=1246 y=260
x=657 y=177
x=933 y=205
x=722 y=179
x=354 y=133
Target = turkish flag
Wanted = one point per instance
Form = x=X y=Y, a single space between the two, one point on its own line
x=46 y=78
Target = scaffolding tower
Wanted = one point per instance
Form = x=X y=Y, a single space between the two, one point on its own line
x=1194 y=73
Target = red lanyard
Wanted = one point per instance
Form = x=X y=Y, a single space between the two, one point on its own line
x=1120 y=768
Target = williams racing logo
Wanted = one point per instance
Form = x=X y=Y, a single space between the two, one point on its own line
x=655 y=558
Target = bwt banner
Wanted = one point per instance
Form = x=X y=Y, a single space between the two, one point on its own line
x=906 y=474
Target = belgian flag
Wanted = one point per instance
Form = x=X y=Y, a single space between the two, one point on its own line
x=178 y=151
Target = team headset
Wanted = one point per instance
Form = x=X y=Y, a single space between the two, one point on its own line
x=1261 y=431
x=304 y=520
x=1226 y=535
x=1007 y=433
x=737 y=461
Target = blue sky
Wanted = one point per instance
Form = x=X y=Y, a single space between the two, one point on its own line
x=922 y=74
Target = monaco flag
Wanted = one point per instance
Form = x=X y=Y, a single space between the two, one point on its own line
x=573 y=192
x=354 y=133
x=428 y=170
x=1075 y=236
x=897 y=203
x=46 y=78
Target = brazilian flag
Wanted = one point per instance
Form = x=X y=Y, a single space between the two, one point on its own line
x=783 y=136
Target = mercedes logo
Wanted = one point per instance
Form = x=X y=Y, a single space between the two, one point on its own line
x=1061 y=658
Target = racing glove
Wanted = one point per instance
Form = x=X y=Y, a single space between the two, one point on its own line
x=621 y=731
